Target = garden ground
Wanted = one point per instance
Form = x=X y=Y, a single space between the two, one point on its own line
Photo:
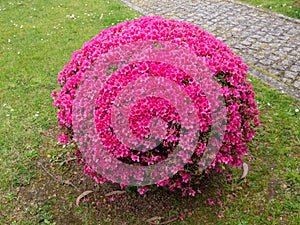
x=39 y=178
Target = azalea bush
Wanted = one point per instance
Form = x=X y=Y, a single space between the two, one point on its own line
x=226 y=68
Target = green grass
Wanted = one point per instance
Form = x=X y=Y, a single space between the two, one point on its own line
x=37 y=40
x=289 y=8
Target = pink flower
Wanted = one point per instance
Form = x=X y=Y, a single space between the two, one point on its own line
x=63 y=138
x=142 y=190
x=162 y=183
x=192 y=192
x=123 y=186
x=135 y=158
x=210 y=202
x=54 y=94
x=99 y=180
x=185 y=177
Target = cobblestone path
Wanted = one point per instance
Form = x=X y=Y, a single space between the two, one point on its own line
x=268 y=42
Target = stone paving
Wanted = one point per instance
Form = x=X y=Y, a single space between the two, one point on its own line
x=268 y=42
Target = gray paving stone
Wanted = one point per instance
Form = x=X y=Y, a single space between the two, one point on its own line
x=286 y=80
x=295 y=68
x=266 y=61
x=278 y=73
x=286 y=63
x=295 y=52
x=297 y=84
x=257 y=56
x=291 y=75
x=274 y=58
x=279 y=66
x=287 y=49
x=266 y=39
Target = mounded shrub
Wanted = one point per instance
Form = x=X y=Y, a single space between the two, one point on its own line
x=226 y=67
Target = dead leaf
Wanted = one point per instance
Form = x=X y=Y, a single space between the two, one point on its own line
x=157 y=220
x=245 y=170
x=154 y=220
x=85 y=193
x=115 y=193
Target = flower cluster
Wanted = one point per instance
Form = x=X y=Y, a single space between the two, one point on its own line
x=227 y=68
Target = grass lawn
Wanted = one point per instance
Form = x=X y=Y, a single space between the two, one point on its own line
x=37 y=40
x=289 y=8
